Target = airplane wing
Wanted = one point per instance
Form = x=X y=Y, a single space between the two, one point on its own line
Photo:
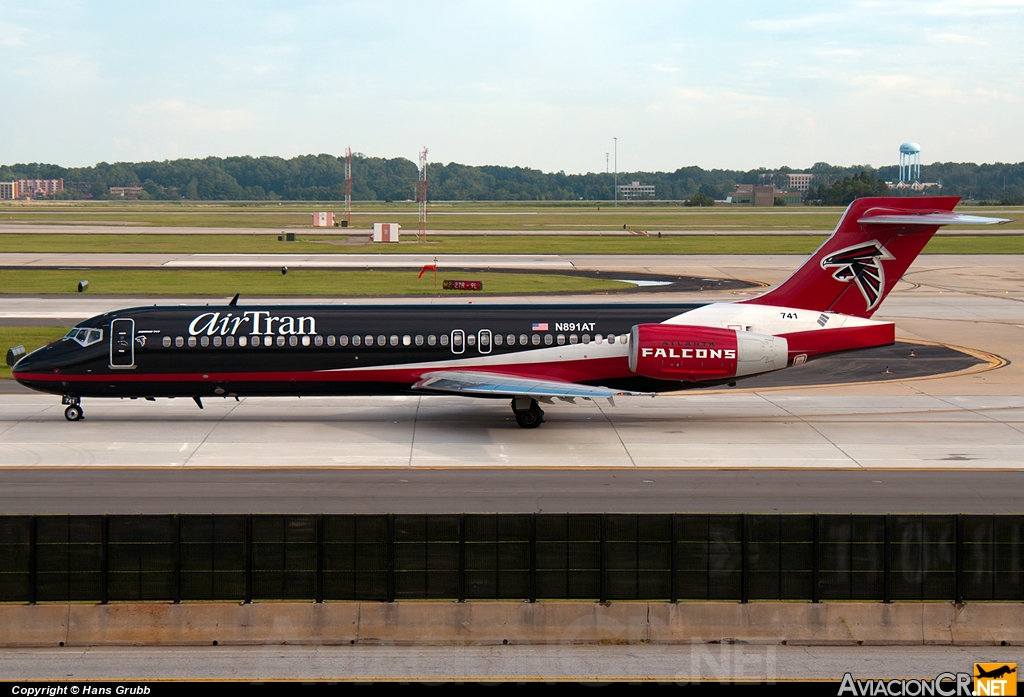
x=498 y=384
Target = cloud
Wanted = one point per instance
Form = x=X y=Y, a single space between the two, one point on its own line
x=195 y=118
x=12 y=35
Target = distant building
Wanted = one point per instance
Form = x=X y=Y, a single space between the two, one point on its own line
x=323 y=219
x=636 y=190
x=30 y=188
x=386 y=232
x=751 y=195
x=914 y=186
x=801 y=181
x=131 y=191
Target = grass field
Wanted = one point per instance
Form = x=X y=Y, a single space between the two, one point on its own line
x=944 y=243
x=533 y=215
x=29 y=337
x=175 y=282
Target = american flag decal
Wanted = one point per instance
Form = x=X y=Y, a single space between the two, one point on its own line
x=540 y=326
x=822 y=320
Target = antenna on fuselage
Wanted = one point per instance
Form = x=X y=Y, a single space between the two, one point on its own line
x=234 y=300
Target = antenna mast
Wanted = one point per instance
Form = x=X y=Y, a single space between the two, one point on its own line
x=421 y=197
x=348 y=187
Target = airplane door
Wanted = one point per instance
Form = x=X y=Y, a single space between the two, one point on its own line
x=483 y=341
x=458 y=341
x=122 y=343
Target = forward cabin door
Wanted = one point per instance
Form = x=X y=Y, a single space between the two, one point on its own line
x=122 y=344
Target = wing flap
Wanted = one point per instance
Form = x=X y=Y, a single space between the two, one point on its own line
x=484 y=383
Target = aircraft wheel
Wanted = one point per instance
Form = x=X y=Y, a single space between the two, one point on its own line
x=530 y=418
x=74 y=413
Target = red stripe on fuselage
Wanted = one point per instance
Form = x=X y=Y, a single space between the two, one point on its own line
x=821 y=341
x=565 y=371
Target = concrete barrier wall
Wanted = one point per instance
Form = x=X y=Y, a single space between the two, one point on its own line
x=157 y=624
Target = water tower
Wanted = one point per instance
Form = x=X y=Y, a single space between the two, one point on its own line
x=910 y=162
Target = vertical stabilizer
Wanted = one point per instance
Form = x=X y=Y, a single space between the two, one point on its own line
x=875 y=242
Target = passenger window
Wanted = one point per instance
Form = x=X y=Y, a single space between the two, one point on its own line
x=419 y=340
x=510 y=339
x=548 y=339
x=611 y=338
x=269 y=340
x=305 y=340
x=242 y=341
x=406 y=340
x=318 y=340
x=457 y=340
x=292 y=341
x=573 y=339
x=394 y=340
x=167 y=342
x=444 y=339
x=498 y=340
x=597 y=338
x=331 y=340
x=586 y=338
x=179 y=342
x=523 y=339
x=356 y=340
x=431 y=340
x=535 y=340
x=204 y=341
x=368 y=340
x=217 y=341
x=229 y=341
x=471 y=339
x=561 y=339
x=191 y=341
x=280 y=340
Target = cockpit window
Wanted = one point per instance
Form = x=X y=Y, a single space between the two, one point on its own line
x=85 y=336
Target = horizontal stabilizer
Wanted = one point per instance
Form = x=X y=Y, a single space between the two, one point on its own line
x=929 y=219
x=498 y=384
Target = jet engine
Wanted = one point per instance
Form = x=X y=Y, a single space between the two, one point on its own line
x=689 y=353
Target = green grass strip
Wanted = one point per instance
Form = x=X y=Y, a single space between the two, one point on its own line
x=173 y=282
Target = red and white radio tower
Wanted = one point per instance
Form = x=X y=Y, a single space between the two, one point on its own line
x=421 y=197
x=348 y=187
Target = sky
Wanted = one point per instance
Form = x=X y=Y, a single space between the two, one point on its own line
x=545 y=84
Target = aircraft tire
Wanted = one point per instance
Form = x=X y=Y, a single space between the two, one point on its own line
x=530 y=418
x=74 y=413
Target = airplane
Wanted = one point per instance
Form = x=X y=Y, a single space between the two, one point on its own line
x=528 y=353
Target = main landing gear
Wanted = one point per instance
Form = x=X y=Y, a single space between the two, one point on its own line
x=74 y=411
x=528 y=412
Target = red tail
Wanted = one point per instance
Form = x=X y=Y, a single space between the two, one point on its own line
x=863 y=259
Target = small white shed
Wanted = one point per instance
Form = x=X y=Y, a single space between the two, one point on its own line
x=386 y=232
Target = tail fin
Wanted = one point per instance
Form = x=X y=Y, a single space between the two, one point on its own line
x=875 y=242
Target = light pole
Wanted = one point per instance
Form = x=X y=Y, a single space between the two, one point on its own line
x=616 y=149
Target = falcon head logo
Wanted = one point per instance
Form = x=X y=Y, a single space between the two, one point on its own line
x=861 y=264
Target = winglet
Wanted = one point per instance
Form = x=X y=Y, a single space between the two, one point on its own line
x=234 y=300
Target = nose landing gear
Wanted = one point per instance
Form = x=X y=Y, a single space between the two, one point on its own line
x=528 y=412
x=74 y=411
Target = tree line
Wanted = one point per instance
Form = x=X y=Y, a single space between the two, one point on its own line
x=322 y=177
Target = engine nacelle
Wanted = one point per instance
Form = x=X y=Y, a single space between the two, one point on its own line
x=690 y=354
